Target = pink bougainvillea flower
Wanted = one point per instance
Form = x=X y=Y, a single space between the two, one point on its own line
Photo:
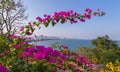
x=87 y=9
x=52 y=60
x=49 y=51
x=2 y=54
x=45 y=15
x=76 y=14
x=90 y=11
x=14 y=36
x=23 y=42
x=87 y=16
x=63 y=57
x=82 y=20
x=29 y=23
x=56 y=53
x=40 y=48
x=64 y=46
x=98 y=9
x=39 y=55
x=39 y=18
x=70 y=11
x=17 y=46
x=30 y=33
x=26 y=54
x=94 y=13
x=3 y=69
x=22 y=28
x=61 y=62
x=20 y=56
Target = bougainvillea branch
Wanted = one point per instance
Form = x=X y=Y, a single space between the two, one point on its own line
x=60 y=17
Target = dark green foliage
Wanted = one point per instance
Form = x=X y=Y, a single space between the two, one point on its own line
x=104 y=43
x=88 y=53
x=4 y=42
x=21 y=65
x=105 y=50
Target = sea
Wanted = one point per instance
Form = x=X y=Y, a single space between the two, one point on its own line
x=73 y=44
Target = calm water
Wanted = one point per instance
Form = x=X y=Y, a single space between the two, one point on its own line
x=73 y=44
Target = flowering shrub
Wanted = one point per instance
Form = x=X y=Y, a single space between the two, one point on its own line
x=21 y=56
x=105 y=50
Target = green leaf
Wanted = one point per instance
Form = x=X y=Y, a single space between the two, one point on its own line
x=32 y=29
x=46 y=24
x=103 y=13
x=34 y=23
x=53 y=23
x=27 y=32
x=15 y=40
x=78 y=17
x=39 y=27
x=63 y=21
x=26 y=26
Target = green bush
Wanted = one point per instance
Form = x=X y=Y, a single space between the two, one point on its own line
x=4 y=42
x=104 y=50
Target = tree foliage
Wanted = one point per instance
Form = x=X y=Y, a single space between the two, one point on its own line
x=105 y=50
x=104 y=43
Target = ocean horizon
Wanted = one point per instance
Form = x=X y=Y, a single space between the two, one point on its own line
x=73 y=44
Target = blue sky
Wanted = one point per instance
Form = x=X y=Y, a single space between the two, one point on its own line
x=96 y=26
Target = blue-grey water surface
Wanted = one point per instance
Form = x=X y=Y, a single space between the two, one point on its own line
x=73 y=44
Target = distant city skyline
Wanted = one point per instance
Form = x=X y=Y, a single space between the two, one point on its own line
x=96 y=26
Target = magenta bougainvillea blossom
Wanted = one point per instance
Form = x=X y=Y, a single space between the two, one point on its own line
x=43 y=53
x=53 y=56
x=64 y=16
x=3 y=69
x=22 y=28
